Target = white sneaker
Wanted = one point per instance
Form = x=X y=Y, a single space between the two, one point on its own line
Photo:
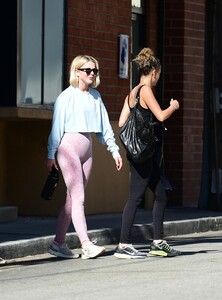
x=92 y=251
x=2 y=261
x=62 y=251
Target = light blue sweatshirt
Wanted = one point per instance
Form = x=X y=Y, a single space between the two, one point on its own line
x=76 y=111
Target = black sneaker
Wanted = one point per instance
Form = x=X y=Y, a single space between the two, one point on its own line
x=163 y=249
x=129 y=252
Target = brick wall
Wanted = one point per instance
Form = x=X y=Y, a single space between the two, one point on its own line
x=152 y=24
x=93 y=27
x=183 y=80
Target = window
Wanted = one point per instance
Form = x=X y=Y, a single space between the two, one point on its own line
x=136 y=3
x=137 y=6
x=40 y=51
x=138 y=36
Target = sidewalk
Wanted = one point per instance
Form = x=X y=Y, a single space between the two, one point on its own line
x=32 y=235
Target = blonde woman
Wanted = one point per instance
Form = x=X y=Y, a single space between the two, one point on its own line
x=78 y=112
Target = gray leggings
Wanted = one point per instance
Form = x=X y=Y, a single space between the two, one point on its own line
x=143 y=176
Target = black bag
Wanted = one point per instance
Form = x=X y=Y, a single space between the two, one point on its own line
x=138 y=136
x=50 y=184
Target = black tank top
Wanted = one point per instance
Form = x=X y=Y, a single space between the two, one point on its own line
x=148 y=115
x=159 y=128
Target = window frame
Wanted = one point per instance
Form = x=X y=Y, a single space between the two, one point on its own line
x=42 y=101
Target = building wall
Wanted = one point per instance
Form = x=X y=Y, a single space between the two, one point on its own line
x=2 y=162
x=184 y=80
x=93 y=27
x=23 y=172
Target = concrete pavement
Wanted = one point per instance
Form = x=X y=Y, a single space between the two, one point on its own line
x=193 y=275
x=31 y=235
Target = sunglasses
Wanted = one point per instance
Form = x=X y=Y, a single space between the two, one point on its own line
x=88 y=71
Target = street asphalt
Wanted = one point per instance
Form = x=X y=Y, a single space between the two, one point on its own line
x=32 y=235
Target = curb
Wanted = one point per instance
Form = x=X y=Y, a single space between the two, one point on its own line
x=108 y=236
x=8 y=213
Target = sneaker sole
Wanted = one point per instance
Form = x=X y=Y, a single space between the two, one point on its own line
x=58 y=254
x=158 y=253
x=85 y=256
x=162 y=253
x=126 y=256
x=2 y=262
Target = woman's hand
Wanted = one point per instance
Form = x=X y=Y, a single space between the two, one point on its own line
x=175 y=104
x=119 y=162
x=50 y=163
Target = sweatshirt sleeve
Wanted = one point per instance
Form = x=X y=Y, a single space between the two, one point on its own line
x=107 y=134
x=58 y=128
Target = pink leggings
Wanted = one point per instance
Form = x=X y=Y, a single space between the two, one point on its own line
x=75 y=161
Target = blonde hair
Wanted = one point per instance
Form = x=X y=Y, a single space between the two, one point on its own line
x=146 y=61
x=76 y=64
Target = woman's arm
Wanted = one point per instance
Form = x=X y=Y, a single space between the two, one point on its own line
x=58 y=127
x=147 y=97
x=124 y=113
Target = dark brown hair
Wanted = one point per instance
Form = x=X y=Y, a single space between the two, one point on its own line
x=146 y=61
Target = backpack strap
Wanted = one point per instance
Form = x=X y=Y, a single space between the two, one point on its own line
x=138 y=93
x=137 y=97
x=128 y=102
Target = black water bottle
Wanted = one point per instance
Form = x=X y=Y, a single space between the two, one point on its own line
x=50 y=184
